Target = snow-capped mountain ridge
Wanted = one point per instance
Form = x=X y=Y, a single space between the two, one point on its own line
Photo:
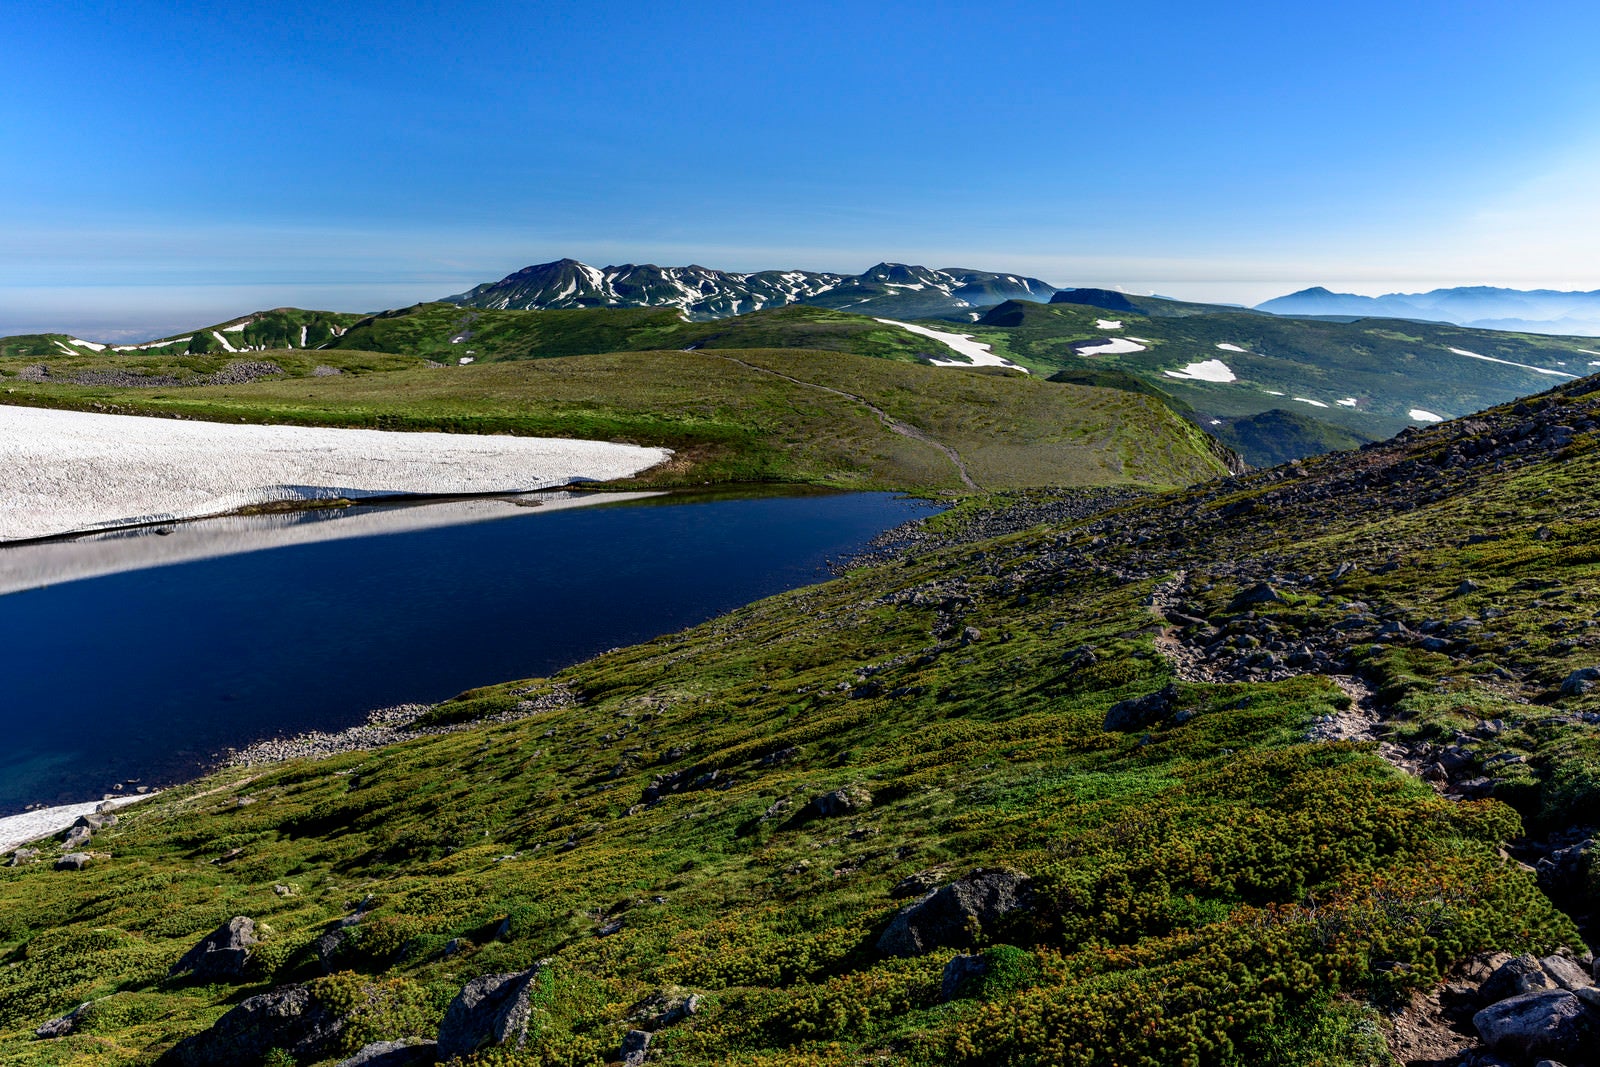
x=705 y=293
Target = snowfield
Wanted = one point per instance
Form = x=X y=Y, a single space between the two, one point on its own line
x=1508 y=363
x=1425 y=416
x=1308 y=400
x=978 y=353
x=1117 y=346
x=20 y=829
x=1211 y=370
x=70 y=471
x=1108 y=324
x=1232 y=348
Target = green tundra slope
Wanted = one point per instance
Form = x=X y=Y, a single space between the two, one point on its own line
x=824 y=418
x=1334 y=384
x=1162 y=717
x=449 y=333
x=1366 y=377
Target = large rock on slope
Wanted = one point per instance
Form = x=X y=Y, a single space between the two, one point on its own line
x=222 y=954
x=1548 y=1023
x=489 y=1011
x=948 y=917
x=287 y=1018
x=1519 y=975
x=1136 y=713
x=392 y=1054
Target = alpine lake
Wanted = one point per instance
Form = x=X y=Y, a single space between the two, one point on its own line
x=137 y=658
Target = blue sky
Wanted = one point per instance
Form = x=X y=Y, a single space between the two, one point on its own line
x=172 y=164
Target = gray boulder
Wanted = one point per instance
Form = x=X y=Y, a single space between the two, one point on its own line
x=1256 y=595
x=392 y=1054
x=1548 y=1023
x=661 y=1010
x=635 y=1048
x=96 y=820
x=1518 y=975
x=1580 y=681
x=77 y=837
x=24 y=855
x=839 y=802
x=286 y=1018
x=948 y=917
x=1139 y=712
x=489 y=1011
x=74 y=861
x=1566 y=973
x=65 y=1024
x=222 y=954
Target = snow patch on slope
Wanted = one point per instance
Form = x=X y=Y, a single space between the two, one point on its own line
x=1116 y=346
x=979 y=354
x=1509 y=363
x=1211 y=370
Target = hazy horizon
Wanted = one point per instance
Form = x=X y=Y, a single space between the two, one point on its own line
x=136 y=313
x=220 y=162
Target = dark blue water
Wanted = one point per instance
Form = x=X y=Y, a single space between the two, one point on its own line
x=150 y=675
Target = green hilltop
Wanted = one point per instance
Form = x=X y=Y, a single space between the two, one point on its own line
x=1164 y=755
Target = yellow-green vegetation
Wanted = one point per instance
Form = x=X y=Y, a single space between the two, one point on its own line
x=1207 y=888
x=449 y=333
x=732 y=415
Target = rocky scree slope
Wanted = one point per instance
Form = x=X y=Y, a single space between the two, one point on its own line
x=1056 y=795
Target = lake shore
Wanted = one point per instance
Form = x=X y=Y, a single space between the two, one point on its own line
x=16 y=830
x=34 y=564
x=399 y=723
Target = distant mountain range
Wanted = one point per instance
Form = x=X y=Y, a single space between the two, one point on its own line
x=702 y=293
x=1481 y=306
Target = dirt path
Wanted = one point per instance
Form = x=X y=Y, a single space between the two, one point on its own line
x=893 y=424
x=1361 y=721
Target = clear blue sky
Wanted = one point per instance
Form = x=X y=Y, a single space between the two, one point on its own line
x=166 y=161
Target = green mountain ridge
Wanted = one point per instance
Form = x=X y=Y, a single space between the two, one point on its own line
x=1139 y=738
x=1346 y=381
x=1364 y=378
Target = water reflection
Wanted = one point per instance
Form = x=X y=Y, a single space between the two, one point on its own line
x=43 y=563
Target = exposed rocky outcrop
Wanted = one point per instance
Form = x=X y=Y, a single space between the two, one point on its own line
x=287 y=1018
x=393 y=1054
x=851 y=798
x=63 y=1025
x=949 y=917
x=489 y=1011
x=222 y=954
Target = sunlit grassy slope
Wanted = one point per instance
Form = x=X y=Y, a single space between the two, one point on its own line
x=734 y=415
x=1208 y=888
